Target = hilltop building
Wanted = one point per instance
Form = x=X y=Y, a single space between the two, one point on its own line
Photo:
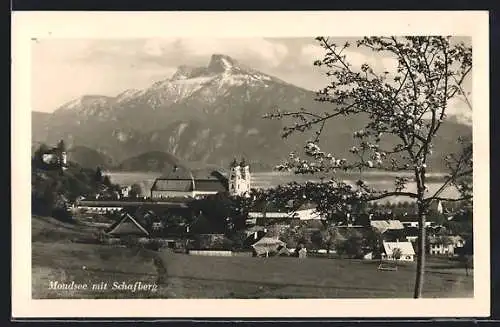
x=55 y=157
x=239 y=178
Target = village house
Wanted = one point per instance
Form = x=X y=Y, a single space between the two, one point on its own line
x=127 y=225
x=412 y=221
x=406 y=251
x=125 y=191
x=383 y=226
x=411 y=234
x=445 y=245
x=266 y=214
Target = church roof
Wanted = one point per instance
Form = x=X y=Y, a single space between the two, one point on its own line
x=184 y=180
x=178 y=173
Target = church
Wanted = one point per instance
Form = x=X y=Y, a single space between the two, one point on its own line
x=239 y=178
x=182 y=182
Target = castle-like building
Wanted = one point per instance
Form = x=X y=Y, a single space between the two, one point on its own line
x=239 y=178
x=56 y=156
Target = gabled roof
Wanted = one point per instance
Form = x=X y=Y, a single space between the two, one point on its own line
x=405 y=247
x=184 y=180
x=384 y=225
x=184 y=185
x=265 y=241
x=209 y=185
x=127 y=225
x=411 y=231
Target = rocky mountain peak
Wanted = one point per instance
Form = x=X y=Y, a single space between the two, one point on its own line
x=220 y=63
x=84 y=101
x=186 y=72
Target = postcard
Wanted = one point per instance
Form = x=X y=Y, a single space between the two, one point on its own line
x=250 y=164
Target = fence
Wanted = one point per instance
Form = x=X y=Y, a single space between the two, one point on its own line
x=212 y=253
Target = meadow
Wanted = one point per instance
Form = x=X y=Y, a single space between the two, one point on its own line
x=290 y=277
x=60 y=253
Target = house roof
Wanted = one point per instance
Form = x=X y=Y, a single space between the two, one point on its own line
x=209 y=185
x=411 y=231
x=405 y=247
x=180 y=185
x=267 y=244
x=183 y=180
x=127 y=225
x=384 y=225
x=268 y=241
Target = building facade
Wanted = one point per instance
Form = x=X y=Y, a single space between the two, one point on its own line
x=55 y=157
x=183 y=183
x=239 y=178
x=405 y=251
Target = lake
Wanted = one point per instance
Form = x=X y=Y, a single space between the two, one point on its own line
x=270 y=179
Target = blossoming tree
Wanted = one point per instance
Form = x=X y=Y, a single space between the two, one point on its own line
x=406 y=106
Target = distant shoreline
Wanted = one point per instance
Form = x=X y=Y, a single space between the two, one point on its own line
x=369 y=175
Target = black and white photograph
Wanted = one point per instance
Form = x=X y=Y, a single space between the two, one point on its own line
x=253 y=167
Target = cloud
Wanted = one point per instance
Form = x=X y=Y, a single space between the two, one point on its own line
x=67 y=68
x=354 y=56
x=252 y=50
x=310 y=53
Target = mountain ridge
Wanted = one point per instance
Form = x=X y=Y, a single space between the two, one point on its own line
x=202 y=114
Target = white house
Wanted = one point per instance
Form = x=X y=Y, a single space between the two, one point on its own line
x=438 y=246
x=125 y=191
x=257 y=217
x=306 y=214
x=407 y=253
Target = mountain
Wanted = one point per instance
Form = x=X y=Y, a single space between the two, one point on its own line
x=204 y=114
x=154 y=161
x=89 y=158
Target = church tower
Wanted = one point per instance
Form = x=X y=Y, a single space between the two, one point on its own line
x=245 y=177
x=239 y=178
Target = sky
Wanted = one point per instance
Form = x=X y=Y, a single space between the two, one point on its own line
x=64 y=69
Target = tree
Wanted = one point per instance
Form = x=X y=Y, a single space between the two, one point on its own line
x=98 y=175
x=61 y=146
x=404 y=108
x=106 y=181
x=135 y=190
x=396 y=254
x=317 y=239
x=352 y=247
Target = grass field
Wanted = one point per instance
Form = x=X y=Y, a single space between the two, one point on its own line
x=58 y=255
x=286 y=277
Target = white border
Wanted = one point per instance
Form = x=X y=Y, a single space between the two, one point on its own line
x=27 y=25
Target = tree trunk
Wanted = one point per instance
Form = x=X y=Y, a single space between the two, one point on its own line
x=419 y=281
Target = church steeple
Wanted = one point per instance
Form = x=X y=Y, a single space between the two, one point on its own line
x=239 y=179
